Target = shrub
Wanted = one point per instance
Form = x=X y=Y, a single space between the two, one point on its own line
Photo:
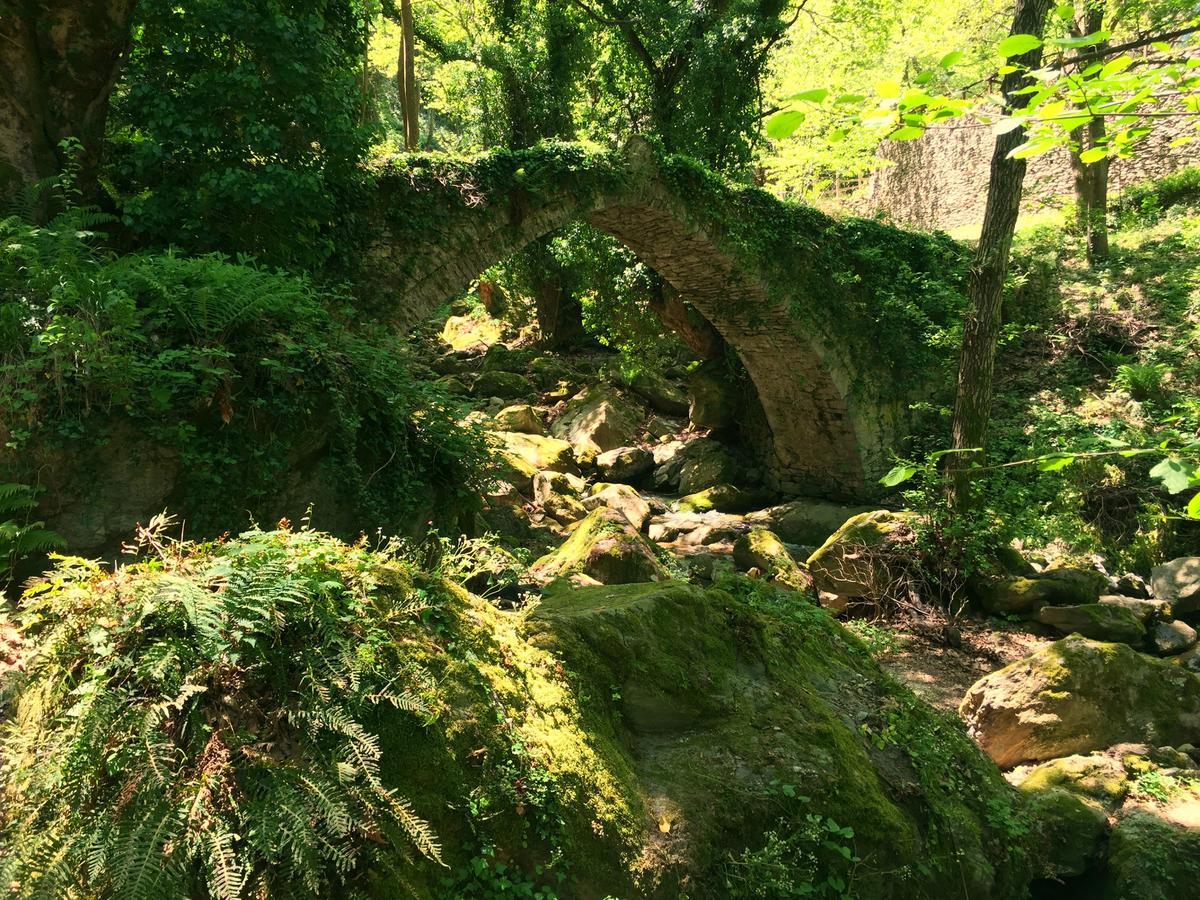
x=199 y=723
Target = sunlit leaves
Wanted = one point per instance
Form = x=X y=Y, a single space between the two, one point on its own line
x=1176 y=475
x=784 y=124
x=1017 y=45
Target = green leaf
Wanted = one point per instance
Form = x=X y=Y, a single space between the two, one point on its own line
x=815 y=95
x=1017 y=44
x=784 y=124
x=888 y=89
x=1193 y=508
x=1004 y=126
x=1034 y=147
x=848 y=99
x=950 y=59
x=906 y=133
x=1052 y=462
x=1116 y=66
x=1093 y=154
x=1175 y=474
x=899 y=475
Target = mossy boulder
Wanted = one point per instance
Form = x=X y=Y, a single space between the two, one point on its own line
x=1098 y=621
x=548 y=482
x=620 y=498
x=712 y=398
x=505 y=385
x=1151 y=857
x=806 y=522
x=521 y=418
x=741 y=716
x=762 y=550
x=1071 y=833
x=522 y=456
x=1078 y=695
x=501 y=358
x=1097 y=777
x=854 y=562
x=474 y=331
x=603 y=546
x=1172 y=638
x=1064 y=584
x=662 y=396
x=703 y=464
x=721 y=497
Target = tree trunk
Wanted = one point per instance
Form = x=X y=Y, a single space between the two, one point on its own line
x=693 y=329
x=406 y=76
x=1091 y=192
x=59 y=61
x=1091 y=181
x=977 y=362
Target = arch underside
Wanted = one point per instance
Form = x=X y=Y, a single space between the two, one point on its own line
x=820 y=443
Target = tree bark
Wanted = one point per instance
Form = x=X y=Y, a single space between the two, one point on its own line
x=693 y=329
x=977 y=362
x=59 y=62
x=1091 y=180
x=406 y=76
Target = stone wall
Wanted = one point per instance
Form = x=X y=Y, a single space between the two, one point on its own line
x=940 y=180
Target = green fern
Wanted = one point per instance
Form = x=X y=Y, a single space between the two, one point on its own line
x=203 y=729
x=21 y=539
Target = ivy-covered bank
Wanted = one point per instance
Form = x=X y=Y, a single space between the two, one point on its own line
x=639 y=740
x=211 y=385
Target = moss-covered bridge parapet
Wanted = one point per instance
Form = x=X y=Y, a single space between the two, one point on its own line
x=835 y=320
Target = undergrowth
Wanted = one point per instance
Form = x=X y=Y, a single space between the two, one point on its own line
x=195 y=723
x=245 y=374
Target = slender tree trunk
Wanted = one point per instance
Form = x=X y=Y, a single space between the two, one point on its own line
x=977 y=362
x=695 y=330
x=406 y=75
x=59 y=62
x=1091 y=180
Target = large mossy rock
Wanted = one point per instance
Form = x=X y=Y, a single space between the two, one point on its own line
x=1151 y=857
x=505 y=385
x=1078 y=695
x=606 y=547
x=475 y=331
x=761 y=549
x=1178 y=582
x=522 y=456
x=1098 y=621
x=853 y=562
x=594 y=421
x=1058 y=585
x=727 y=720
x=806 y=522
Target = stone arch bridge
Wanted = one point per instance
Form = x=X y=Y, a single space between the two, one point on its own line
x=831 y=318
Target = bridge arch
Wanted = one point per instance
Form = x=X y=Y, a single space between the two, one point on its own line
x=833 y=357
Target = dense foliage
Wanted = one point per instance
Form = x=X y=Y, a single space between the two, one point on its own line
x=241 y=371
x=206 y=721
x=240 y=127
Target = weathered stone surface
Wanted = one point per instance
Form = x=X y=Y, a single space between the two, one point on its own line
x=500 y=358
x=627 y=464
x=452 y=384
x=1065 y=584
x=697 y=529
x=721 y=497
x=712 y=398
x=662 y=396
x=705 y=463
x=550 y=482
x=1098 y=621
x=606 y=547
x=1172 y=638
x=1131 y=585
x=522 y=456
x=1146 y=610
x=1151 y=857
x=622 y=499
x=521 y=418
x=471 y=332
x=1097 y=777
x=1078 y=695
x=1178 y=582
x=505 y=385
x=564 y=509
x=849 y=563
x=596 y=420
x=807 y=522
x=1070 y=833
x=761 y=549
